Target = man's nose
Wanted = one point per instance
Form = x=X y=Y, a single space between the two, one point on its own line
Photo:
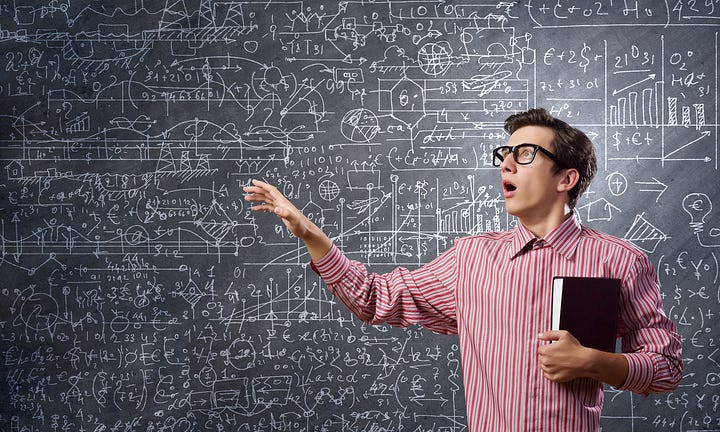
x=508 y=163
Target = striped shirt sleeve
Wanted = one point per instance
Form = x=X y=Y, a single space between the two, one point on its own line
x=425 y=296
x=651 y=343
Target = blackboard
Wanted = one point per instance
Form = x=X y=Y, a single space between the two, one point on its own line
x=140 y=293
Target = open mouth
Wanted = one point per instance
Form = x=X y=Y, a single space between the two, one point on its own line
x=509 y=187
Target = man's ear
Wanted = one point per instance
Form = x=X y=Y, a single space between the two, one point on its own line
x=568 y=179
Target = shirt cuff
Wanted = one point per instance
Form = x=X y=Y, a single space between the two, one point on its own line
x=331 y=267
x=640 y=373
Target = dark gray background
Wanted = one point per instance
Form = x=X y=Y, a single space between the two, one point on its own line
x=140 y=293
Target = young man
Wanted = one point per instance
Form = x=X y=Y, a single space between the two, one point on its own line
x=494 y=290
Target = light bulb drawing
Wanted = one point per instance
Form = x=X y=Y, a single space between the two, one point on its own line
x=699 y=206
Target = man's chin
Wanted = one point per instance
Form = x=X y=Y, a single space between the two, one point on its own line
x=511 y=210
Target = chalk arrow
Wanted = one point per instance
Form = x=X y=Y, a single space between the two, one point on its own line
x=704 y=134
x=649 y=77
x=654 y=186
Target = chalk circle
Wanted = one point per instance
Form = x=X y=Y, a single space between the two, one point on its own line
x=136 y=235
x=119 y=324
x=251 y=46
x=435 y=58
x=273 y=75
x=617 y=183
x=241 y=355
x=359 y=125
x=712 y=379
x=207 y=376
x=329 y=190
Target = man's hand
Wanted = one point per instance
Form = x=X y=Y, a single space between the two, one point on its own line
x=566 y=359
x=271 y=200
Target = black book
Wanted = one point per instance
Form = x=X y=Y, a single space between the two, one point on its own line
x=588 y=308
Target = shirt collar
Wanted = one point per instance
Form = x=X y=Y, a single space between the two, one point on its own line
x=563 y=239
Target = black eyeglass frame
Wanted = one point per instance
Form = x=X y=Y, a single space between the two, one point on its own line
x=498 y=157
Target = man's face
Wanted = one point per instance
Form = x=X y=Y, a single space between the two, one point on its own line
x=531 y=191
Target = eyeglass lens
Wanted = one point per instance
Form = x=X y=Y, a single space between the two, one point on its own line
x=523 y=154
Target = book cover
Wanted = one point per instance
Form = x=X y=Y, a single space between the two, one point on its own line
x=588 y=308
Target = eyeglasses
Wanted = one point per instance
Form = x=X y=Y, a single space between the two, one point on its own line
x=523 y=153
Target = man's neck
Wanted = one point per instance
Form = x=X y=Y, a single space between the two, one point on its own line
x=542 y=226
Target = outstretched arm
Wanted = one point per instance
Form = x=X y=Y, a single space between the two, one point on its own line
x=424 y=296
x=271 y=200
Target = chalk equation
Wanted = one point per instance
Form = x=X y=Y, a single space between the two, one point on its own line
x=140 y=293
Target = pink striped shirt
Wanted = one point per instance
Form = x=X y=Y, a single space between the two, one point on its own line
x=494 y=291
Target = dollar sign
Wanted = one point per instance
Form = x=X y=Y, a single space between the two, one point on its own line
x=585 y=61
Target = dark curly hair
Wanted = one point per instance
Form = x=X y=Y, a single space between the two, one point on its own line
x=571 y=146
